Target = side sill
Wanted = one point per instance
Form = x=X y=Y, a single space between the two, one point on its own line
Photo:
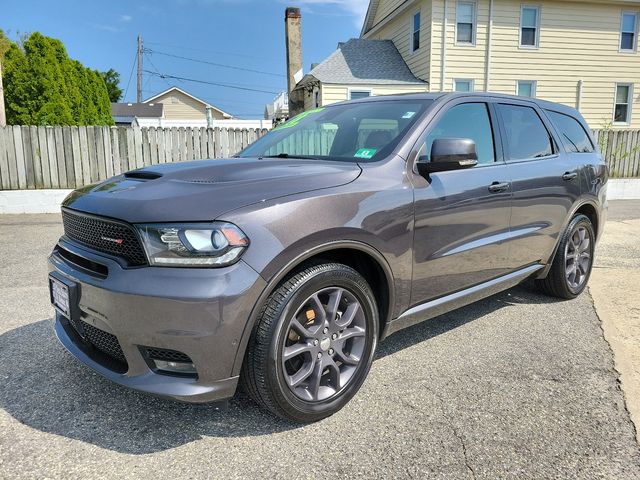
x=445 y=304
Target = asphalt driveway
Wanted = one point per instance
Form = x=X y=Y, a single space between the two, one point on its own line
x=516 y=386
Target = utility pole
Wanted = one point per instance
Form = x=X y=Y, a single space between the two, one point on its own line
x=3 y=117
x=139 y=98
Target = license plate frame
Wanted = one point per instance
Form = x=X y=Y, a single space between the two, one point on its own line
x=63 y=294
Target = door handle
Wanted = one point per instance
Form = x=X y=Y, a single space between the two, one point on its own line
x=496 y=187
x=569 y=176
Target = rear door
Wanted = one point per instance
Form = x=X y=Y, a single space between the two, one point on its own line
x=545 y=181
x=461 y=216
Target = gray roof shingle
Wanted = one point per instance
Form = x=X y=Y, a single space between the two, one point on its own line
x=361 y=61
x=139 y=110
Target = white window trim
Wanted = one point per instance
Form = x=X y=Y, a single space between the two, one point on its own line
x=635 y=33
x=534 y=87
x=412 y=31
x=537 y=43
x=474 y=26
x=355 y=89
x=629 y=103
x=472 y=84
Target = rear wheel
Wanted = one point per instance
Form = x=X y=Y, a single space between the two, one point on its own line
x=313 y=344
x=572 y=262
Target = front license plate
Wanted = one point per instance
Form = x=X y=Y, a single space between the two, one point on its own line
x=60 y=296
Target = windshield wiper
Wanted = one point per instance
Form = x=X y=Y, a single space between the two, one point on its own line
x=286 y=155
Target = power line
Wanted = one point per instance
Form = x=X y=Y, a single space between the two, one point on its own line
x=157 y=71
x=215 y=52
x=208 y=83
x=222 y=65
x=133 y=67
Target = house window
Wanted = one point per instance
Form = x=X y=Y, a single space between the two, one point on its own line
x=415 y=37
x=463 y=85
x=529 y=26
x=526 y=88
x=622 y=107
x=356 y=94
x=465 y=22
x=316 y=98
x=628 y=31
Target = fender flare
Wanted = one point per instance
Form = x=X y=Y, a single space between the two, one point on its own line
x=273 y=282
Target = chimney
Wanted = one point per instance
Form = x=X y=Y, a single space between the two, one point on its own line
x=293 y=34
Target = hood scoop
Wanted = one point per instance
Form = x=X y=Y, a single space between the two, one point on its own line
x=142 y=175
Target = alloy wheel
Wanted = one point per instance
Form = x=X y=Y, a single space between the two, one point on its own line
x=578 y=257
x=325 y=341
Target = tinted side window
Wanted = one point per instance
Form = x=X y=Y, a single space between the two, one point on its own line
x=468 y=120
x=527 y=137
x=574 y=137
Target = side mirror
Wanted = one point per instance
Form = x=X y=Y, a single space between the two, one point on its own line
x=448 y=154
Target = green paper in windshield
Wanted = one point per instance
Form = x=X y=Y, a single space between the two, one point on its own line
x=366 y=153
x=295 y=120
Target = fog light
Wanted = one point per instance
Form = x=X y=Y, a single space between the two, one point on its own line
x=184 y=368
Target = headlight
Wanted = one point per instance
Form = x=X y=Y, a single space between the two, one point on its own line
x=216 y=244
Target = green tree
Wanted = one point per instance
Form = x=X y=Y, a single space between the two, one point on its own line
x=43 y=86
x=112 y=79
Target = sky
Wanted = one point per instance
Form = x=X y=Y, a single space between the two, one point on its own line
x=244 y=38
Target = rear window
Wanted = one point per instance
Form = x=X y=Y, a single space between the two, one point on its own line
x=574 y=137
x=527 y=137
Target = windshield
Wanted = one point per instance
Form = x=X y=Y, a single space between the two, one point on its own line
x=353 y=132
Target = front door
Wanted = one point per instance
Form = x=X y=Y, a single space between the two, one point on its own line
x=461 y=216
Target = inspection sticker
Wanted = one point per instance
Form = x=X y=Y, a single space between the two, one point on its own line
x=366 y=153
x=295 y=120
x=409 y=115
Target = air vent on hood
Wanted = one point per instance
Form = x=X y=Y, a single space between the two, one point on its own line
x=142 y=175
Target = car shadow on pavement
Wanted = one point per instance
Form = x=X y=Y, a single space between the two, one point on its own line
x=45 y=388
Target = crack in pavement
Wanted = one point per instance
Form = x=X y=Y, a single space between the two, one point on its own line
x=451 y=425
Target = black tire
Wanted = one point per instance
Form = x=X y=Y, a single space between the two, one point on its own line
x=265 y=375
x=556 y=283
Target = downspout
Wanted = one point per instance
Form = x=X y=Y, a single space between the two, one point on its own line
x=579 y=95
x=443 y=48
x=487 y=64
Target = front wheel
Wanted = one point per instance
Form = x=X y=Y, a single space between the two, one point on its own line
x=572 y=262
x=313 y=344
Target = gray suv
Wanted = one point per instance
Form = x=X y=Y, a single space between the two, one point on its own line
x=282 y=268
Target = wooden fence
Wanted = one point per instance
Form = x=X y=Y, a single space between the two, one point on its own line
x=621 y=149
x=70 y=157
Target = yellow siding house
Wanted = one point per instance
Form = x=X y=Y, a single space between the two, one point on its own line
x=358 y=68
x=582 y=54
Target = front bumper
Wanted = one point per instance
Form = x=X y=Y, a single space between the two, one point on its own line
x=201 y=312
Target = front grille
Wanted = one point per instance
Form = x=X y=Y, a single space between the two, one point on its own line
x=166 y=355
x=99 y=339
x=106 y=236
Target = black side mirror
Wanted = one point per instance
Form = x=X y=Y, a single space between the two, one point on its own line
x=448 y=154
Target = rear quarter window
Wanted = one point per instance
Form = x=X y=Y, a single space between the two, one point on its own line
x=574 y=137
x=527 y=137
